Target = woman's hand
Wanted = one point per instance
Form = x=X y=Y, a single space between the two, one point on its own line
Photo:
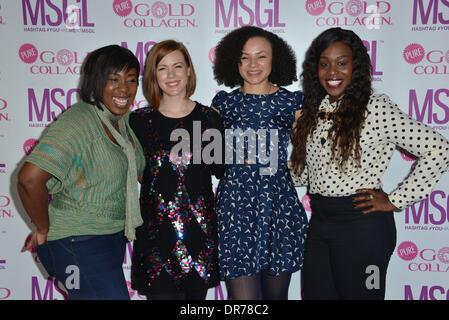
x=37 y=238
x=298 y=114
x=373 y=201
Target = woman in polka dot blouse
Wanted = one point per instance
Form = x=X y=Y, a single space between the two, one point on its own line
x=342 y=145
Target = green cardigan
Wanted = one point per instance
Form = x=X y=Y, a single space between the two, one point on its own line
x=89 y=171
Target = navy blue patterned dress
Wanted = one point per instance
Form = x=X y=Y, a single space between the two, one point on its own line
x=262 y=224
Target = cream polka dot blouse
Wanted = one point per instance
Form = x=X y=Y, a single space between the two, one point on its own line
x=385 y=127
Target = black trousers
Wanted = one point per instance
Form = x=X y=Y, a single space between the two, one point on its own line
x=346 y=253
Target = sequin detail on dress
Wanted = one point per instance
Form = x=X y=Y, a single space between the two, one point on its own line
x=178 y=242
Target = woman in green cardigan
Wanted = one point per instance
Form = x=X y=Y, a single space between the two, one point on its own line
x=89 y=161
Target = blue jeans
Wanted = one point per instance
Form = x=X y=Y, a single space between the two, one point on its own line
x=90 y=266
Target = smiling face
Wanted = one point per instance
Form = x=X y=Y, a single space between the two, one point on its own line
x=172 y=74
x=335 y=69
x=255 y=63
x=120 y=91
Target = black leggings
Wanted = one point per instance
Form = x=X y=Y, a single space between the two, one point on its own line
x=347 y=253
x=261 y=286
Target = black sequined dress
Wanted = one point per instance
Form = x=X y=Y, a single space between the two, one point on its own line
x=176 y=247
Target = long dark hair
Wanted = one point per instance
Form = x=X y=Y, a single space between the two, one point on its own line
x=352 y=107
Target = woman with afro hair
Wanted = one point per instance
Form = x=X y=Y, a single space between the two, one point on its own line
x=261 y=220
x=342 y=144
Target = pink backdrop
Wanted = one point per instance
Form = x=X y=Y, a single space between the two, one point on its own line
x=45 y=41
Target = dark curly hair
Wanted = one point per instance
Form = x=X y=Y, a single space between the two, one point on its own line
x=352 y=107
x=229 y=51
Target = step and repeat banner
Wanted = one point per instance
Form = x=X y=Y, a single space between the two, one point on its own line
x=43 y=43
